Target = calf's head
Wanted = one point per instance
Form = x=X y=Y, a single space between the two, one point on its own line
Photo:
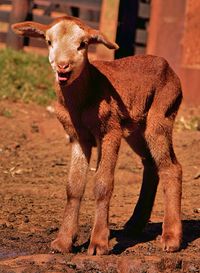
x=67 y=39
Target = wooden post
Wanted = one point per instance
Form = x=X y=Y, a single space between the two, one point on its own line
x=108 y=25
x=20 y=10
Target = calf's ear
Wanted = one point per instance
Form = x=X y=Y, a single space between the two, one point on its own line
x=30 y=29
x=97 y=37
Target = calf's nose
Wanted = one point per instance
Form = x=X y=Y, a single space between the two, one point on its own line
x=63 y=65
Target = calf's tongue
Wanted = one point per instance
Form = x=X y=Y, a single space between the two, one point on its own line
x=63 y=78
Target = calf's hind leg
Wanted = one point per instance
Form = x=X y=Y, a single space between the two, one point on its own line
x=160 y=163
x=171 y=178
x=170 y=174
x=145 y=202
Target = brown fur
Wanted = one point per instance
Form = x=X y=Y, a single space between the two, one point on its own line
x=136 y=98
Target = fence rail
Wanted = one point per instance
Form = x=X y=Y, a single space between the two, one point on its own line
x=43 y=11
x=124 y=21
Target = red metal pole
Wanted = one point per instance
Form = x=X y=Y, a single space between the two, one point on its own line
x=165 y=30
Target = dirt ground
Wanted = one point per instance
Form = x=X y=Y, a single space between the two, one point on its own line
x=34 y=161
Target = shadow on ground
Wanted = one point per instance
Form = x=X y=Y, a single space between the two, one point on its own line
x=191 y=232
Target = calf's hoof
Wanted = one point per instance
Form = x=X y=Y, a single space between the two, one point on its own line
x=170 y=243
x=61 y=245
x=99 y=241
x=98 y=248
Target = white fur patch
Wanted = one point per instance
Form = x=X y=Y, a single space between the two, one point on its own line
x=79 y=162
x=65 y=37
x=67 y=29
x=77 y=152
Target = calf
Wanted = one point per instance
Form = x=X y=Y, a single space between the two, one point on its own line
x=100 y=102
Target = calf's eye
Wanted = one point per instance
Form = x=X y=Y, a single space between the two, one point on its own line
x=49 y=42
x=82 y=45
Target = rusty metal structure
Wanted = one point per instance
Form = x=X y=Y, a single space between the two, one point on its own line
x=174 y=33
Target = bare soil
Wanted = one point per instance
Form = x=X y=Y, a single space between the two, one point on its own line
x=34 y=161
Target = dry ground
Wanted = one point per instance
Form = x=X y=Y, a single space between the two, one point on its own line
x=34 y=161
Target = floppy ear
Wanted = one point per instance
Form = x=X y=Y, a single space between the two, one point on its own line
x=96 y=37
x=30 y=29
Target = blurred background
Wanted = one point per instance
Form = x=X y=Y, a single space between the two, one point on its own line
x=166 y=28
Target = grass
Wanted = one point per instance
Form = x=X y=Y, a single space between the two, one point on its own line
x=190 y=123
x=6 y=113
x=25 y=76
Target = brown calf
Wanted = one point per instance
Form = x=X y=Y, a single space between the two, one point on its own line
x=98 y=103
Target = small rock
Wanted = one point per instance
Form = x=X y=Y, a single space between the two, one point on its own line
x=197 y=175
x=197 y=210
x=50 y=109
x=71 y=265
x=193 y=269
x=51 y=230
x=3 y=226
x=19 y=171
x=34 y=128
x=17 y=146
x=26 y=219
x=12 y=217
x=12 y=169
x=14 y=238
x=23 y=136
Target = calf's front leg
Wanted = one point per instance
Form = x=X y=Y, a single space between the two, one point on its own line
x=104 y=180
x=75 y=188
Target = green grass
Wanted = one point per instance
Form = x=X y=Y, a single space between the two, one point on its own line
x=26 y=77
x=6 y=113
x=190 y=123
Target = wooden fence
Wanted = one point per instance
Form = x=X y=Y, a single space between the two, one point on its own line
x=44 y=11
x=124 y=21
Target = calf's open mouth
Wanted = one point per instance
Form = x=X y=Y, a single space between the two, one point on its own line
x=63 y=77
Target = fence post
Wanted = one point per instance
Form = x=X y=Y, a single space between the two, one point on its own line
x=20 y=10
x=108 y=25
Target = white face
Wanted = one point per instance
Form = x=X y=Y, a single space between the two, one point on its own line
x=67 y=50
